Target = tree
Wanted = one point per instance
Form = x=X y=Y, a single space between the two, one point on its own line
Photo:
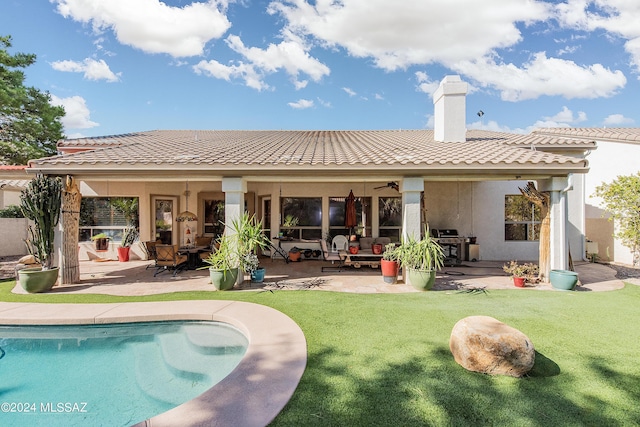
x=622 y=200
x=29 y=125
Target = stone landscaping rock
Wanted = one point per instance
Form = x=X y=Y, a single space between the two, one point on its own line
x=484 y=344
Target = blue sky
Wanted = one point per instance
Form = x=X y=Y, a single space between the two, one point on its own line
x=121 y=66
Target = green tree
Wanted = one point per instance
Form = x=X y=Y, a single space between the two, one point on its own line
x=622 y=200
x=29 y=125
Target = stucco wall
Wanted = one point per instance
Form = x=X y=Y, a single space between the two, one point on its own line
x=488 y=214
x=609 y=161
x=13 y=232
x=9 y=197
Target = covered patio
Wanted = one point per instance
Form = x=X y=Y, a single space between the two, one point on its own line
x=134 y=279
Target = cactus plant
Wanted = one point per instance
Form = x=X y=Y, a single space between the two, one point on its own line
x=40 y=202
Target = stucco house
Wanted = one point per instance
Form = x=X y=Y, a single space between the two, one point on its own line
x=617 y=154
x=451 y=178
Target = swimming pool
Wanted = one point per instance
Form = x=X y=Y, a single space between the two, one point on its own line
x=114 y=374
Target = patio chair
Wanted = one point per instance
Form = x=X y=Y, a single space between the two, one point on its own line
x=332 y=256
x=168 y=258
x=150 y=248
x=339 y=243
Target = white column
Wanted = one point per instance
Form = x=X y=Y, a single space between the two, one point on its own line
x=559 y=250
x=411 y=189
x=234 y=189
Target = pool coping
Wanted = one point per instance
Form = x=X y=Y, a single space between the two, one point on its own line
x=255 y=391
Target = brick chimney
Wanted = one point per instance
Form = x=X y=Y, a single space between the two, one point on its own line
x=449 y=102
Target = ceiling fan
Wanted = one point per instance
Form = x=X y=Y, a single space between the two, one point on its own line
x=391 y=184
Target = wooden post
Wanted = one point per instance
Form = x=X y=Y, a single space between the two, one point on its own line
x=541 y=199
x=69 y=262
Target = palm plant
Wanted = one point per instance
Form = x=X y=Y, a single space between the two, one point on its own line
x=423 y=254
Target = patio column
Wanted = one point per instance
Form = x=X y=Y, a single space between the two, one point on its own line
x=410 y=188
x=559 y=247
x=234 y=189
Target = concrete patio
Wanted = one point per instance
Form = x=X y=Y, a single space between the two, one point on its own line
x=134 y=278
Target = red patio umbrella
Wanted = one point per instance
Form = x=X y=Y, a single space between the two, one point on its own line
x=350 y=219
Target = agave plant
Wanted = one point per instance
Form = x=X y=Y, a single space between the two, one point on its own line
x=41 y=202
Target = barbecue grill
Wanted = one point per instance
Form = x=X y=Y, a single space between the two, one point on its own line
x=451 y=242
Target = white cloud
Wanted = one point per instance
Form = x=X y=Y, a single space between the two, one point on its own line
x=617 y=120
x=77 y=114
x=379 y=97
x=425 y=84
x=349 y=91
x=92 y=69
x=246 y=72
x=618 y=17
x=544 y=76
x=289 y=55
x=406 y=32
x=152 y=25
x=301 y=104
x=324 y=103
x=566 y=117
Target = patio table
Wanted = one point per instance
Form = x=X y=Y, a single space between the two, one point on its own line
x=193 y=255
x=363 y=257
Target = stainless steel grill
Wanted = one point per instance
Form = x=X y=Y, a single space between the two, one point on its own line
x=451 y=242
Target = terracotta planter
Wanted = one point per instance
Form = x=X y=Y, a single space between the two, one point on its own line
x=376 y=248
x=34 y=280
x=294 y=256
x=353 y=250
x=123 y=254
x=519 y=282
x=389 y=271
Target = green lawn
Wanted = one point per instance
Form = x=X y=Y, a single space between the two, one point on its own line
x=384 y=360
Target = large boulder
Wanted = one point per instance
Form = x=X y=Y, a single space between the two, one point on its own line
x=484 y=344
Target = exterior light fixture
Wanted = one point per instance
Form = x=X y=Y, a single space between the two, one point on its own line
x=186 y=215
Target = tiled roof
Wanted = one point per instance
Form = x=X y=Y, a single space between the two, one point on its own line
x=596 y=134
x=13 y=184
x=282 y=151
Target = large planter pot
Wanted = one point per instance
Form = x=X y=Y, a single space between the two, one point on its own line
x=34 y=280
x=563 y=280
x=257 y=275
x=123 y=254
x=421 y=280
x=223 y=280
x=389 y=271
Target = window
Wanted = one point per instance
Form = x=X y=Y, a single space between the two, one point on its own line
x=302 y=217
x=337 y=214
x=390 y=217
x=213 y=217
x=106 y=215
x=522 y=219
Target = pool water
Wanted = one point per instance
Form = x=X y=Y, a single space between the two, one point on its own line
x=114 y=375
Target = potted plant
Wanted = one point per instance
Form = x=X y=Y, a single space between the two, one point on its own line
x=40 y=202
x=101 y=240
x=422 y=258
x=389 y=263
x=251 y=265
x=250 y=238
x=129 y=236
x=521 y=273
x=563 y=280
x=223 y=264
